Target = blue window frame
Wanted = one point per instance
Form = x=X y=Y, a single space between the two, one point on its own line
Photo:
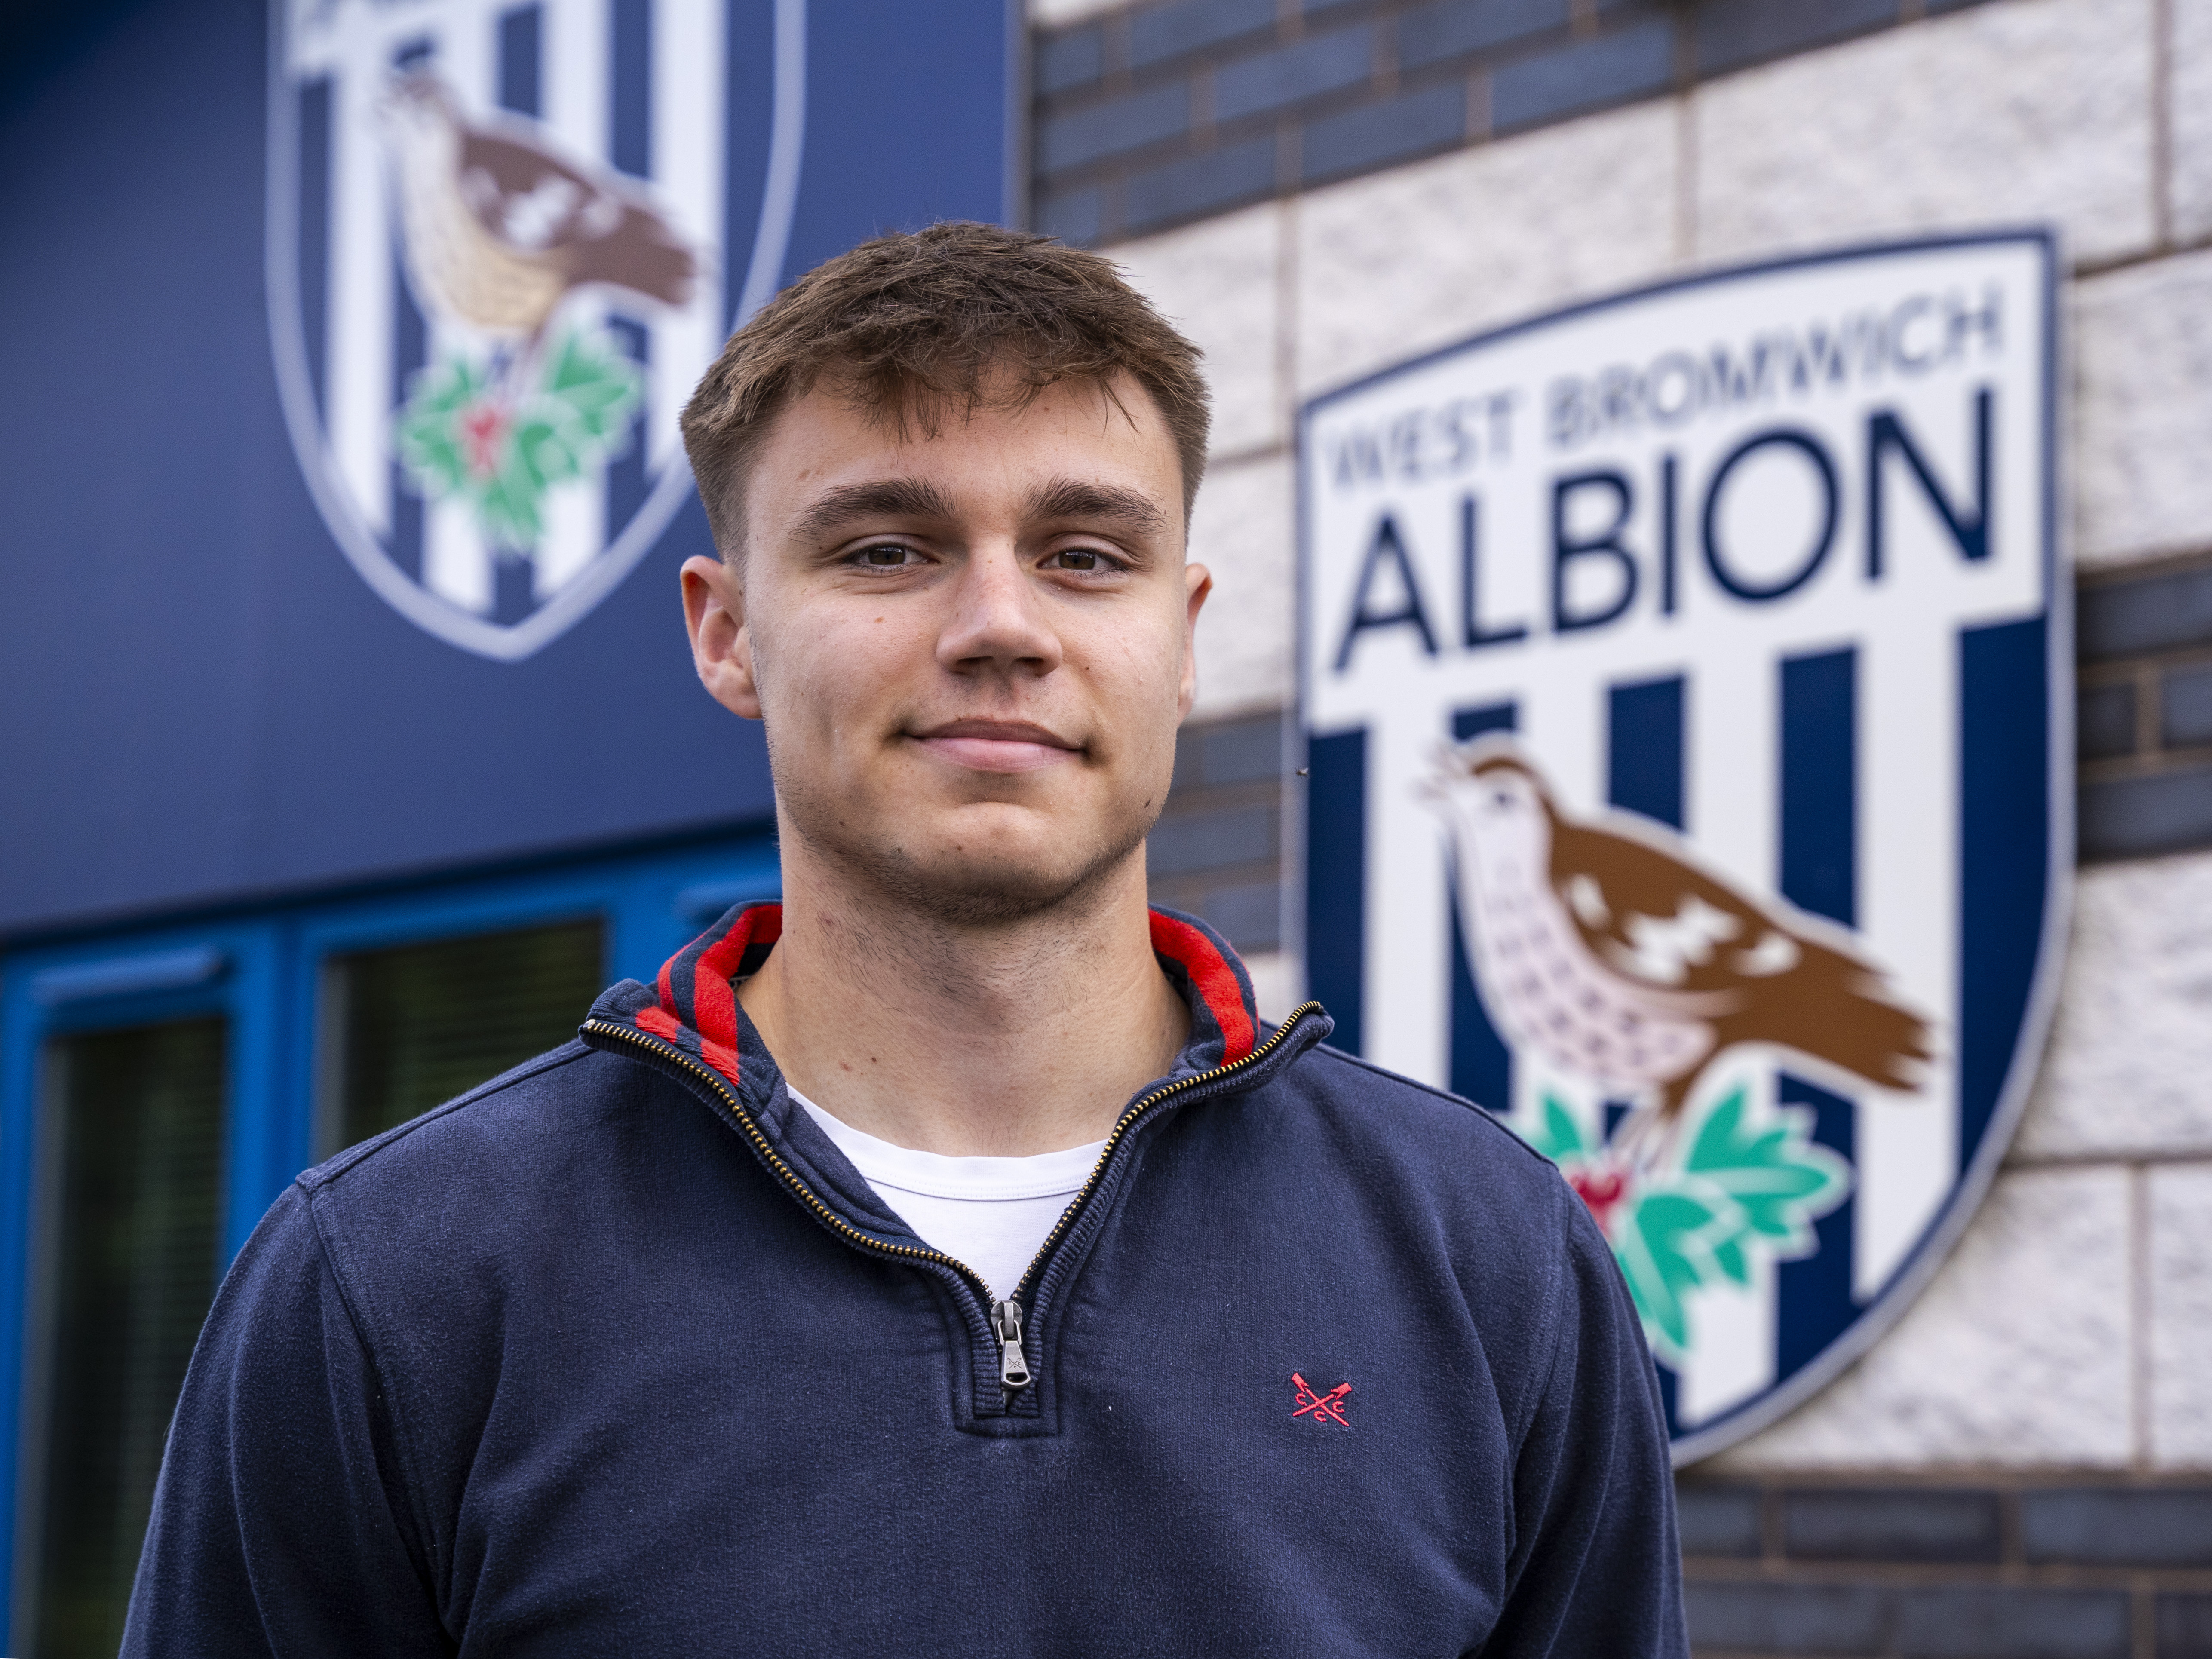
x=262 y=972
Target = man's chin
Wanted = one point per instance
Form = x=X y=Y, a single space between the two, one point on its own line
x=997 y=892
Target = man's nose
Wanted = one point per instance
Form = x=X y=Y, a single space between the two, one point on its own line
x=999 y=622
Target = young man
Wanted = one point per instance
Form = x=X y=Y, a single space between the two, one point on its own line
x=946 y=1261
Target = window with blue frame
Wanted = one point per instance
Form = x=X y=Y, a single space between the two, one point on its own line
x=159 y=1089
x=407 y=1026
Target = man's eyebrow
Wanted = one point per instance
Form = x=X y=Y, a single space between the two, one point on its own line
x=881 y=498
x=1072 y=498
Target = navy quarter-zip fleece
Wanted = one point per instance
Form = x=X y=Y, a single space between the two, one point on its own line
x=618 y=1355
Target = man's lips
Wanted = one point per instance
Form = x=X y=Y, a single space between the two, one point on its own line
x=996 y=745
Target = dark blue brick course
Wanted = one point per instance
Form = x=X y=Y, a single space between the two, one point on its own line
x=2105 y=721
x=1630 y=63
x=1718 y=1520
x=2151 y=613
x=2133 y=818
x=1065 y=62
x=2186 y=708
x=1160 y=32
x=1288 y=74
x=1373 y=134
x=2006 y=1622
x=1218 y=178
x=1111 y=128
x=1891 y=1526
x=2184 y=1626
x=1251 y=915
x=1233 y=752
x=1730 y=33
x=1075 y=217
x=1455 y=26
x=1210 y=840
x=2118 y=1528
x=1823 y=1618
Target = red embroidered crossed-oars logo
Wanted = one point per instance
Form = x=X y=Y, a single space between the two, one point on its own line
x=1321 y=1406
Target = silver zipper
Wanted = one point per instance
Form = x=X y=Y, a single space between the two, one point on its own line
x=1013 y=1364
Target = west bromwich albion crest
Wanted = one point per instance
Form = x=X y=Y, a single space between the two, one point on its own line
x=505 y=241
x=1685 y=681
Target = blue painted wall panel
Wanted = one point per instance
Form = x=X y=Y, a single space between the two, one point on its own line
x=203 y=702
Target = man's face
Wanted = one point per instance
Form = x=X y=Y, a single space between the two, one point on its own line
x=971 y=650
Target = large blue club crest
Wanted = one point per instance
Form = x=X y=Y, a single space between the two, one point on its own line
x=504 y=241
x=1688 y=688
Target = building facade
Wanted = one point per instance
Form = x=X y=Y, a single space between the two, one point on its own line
x=331 y=782
x=2022 y=1464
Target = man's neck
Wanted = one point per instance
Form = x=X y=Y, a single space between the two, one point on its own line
x=997 y=1041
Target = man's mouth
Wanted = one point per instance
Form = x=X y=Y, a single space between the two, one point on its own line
x=998 y=746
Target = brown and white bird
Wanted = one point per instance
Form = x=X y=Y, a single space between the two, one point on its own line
x=1620 y=962
x=499 y=229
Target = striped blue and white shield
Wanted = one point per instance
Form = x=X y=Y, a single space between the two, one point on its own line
x=504 y=241
x=1687 y=691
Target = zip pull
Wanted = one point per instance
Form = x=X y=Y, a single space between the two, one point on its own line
x=1006 y=1324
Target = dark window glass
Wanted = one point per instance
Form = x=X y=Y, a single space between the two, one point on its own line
x=405 y=1029
x=131 y=1247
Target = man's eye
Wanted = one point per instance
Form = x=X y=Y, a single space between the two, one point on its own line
x=888 y=556
x=1077 y=558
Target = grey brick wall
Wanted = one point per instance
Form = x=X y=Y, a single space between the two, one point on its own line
x=1165 y=112
x=1218 y=849
x=2031 y=1571
x=2144 y=640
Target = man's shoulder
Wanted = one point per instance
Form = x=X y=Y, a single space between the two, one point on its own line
x=1425 y=1161
x=1393 y=1110
x=510 y=1114
x=496 y=1167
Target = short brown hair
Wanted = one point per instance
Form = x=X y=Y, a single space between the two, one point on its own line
x=911 y=325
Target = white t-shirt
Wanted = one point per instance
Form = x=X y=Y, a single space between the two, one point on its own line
x=992 y=1214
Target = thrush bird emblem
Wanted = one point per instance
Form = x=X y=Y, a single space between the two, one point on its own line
x=498 y=229
x=1607 y=952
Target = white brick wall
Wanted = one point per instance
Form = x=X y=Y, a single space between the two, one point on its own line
x=1219 y=281
x=2142 y=409
x=1241 y=532
x=1390 y=265
x=2179 y=1304
x=2019 y=1354
x=2026 y=112
x=2189 y=101
x=2129 y=1073
x=2073 y=1325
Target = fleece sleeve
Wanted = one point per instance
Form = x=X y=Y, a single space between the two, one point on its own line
x=1595 y=1565
x=280 y=1525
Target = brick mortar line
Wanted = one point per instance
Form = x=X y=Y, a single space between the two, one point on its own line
x=1245 y=791
x=2131 y=1160
x=1204 y=880
x=2161 y=121
x=2121 y=670
x=2157 y=763
x=2172 y=562
x=1956 y=1478
x=2139 y=1313
x=1795 y=1571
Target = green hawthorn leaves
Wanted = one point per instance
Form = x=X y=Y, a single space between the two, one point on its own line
x=500 y=436
x=1700 y=1215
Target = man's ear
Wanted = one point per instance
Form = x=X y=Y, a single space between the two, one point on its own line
x=721 y=645
x=1198 y=582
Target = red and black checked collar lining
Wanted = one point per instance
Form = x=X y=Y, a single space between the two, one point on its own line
x=697 y=994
